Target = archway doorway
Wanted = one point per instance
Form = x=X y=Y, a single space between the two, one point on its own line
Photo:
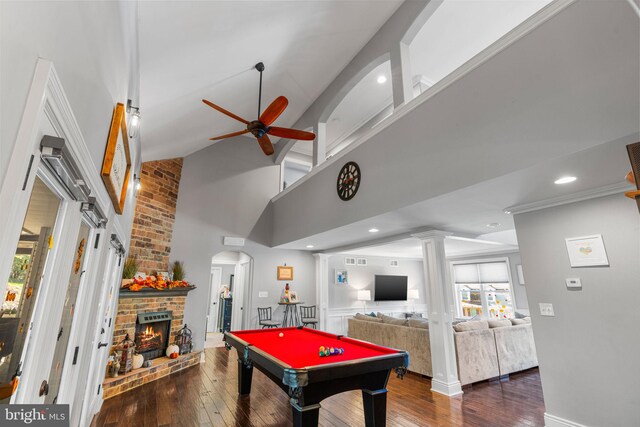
x=231 y=281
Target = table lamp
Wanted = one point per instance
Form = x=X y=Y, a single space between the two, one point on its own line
x=413 y=295
x=364 y=296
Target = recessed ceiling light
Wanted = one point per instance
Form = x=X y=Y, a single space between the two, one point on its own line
x=309 y=246
x=565 y=180
x=382 y=78
x=507 y=212
x=493 y=225
x=373 y=230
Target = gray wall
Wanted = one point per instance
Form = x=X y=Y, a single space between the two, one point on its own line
x=588 y=352
x=362 y=277
x=497 y=138
x=224 y=191
x=519 y=291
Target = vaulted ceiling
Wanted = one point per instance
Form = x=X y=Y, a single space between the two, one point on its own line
x=195 y=50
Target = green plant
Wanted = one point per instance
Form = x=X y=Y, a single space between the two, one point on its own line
x=130 y=267
x=178 y=271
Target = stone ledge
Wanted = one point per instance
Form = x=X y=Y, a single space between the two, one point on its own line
x=160 y=367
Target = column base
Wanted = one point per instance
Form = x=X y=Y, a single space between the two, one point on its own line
x=448 y=389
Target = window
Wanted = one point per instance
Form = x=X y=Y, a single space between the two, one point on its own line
x=483 y=289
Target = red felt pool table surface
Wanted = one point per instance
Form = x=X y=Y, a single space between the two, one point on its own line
x=299 y=348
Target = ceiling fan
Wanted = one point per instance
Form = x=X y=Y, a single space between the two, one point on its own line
x=261 y=128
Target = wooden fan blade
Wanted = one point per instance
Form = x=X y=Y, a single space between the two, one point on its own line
x=266 y=145
x=229 y=135
x=223 y=111
x=274 y=110
x=291 y=133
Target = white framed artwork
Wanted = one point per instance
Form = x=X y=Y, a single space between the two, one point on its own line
x=394 y=263
x=361 y=261
x=342 y=277
x=587 y=251
x=349 y=261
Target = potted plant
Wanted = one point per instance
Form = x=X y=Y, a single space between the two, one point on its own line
x=177 y=271
x=129 y=270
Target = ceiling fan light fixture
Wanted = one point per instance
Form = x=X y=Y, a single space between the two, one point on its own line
x=382 y=79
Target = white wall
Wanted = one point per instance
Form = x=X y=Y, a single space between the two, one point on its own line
x=225 y=191
x=588 y=351
x=362 y=277
x=519 y=291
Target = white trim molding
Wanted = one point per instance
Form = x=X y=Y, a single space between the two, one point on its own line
x=554 y=421
x=592 y=193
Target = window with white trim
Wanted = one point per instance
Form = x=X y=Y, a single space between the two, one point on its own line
x=483 y=289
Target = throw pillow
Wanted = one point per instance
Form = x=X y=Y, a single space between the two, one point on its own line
x=519 y=315
x=393 y=320
x=472 y=325
x=419 y=323
x=500 y=323
x=367 y=318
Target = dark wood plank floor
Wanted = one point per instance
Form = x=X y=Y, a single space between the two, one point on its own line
x=206 y=395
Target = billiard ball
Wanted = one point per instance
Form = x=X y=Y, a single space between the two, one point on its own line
x=280 y=334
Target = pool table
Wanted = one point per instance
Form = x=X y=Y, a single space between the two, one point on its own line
x=293 y=362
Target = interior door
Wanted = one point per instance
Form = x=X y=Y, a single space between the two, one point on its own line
x=25 y=279
x=216 y=283
x=69 y=309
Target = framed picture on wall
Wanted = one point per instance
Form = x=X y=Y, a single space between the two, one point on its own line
x=587 y=251
x=285 y=273
x=116 y=165
x=342 y=277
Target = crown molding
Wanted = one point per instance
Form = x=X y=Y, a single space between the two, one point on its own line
x=607 y=190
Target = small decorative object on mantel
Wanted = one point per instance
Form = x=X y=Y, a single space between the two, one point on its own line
x=153 y=283
x=125 y=349
x=171 y=350
x=138 y=360
x=116 y=166
x=184 y=340
x=177 y=271
x=129 y=270
x=285 y=273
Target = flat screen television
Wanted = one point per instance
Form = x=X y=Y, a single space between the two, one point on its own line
x=390 y=288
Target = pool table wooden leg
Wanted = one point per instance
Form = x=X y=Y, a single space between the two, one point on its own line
x=245 y=373
x=375 y=407
x=305 y=416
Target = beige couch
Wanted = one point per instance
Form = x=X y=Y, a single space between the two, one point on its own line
x=484 y=349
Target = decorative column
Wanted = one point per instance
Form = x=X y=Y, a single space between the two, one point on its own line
x=440 y=308
x=402 y=81
x=322 y=289
x=320 y=144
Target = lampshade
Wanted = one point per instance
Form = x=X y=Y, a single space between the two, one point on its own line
x=413 y=294
x=364 y=295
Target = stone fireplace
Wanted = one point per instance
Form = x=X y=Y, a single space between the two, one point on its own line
x=152 y=334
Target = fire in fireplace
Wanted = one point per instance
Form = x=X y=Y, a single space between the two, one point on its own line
x=152 y=334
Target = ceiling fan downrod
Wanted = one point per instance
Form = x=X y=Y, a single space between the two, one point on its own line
x=260 y=67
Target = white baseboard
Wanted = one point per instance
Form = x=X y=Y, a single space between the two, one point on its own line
x=448 y=389
x=202 y=358
x=553 y=421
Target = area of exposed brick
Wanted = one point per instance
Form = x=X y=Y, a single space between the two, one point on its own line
x=155 y=214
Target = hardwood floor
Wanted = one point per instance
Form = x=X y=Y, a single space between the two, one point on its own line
x=206 y=395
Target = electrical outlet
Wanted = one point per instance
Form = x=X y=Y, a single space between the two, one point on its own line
x=263 y=294
x=546 y=309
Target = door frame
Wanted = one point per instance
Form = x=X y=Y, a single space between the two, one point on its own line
x=213 y=292
x=47 y=109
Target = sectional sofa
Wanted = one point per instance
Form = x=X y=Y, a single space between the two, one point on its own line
x=484 y=349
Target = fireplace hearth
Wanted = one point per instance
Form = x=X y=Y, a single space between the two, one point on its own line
x=152 y=334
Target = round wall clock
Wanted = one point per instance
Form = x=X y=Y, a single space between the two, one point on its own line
x=348 y=180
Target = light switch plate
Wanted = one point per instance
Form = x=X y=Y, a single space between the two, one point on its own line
x=263 y=294
x=573 y=282
x=546 y=309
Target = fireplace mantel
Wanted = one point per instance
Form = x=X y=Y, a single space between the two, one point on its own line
x=152 y=293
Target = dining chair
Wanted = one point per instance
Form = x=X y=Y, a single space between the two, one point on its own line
x=308 y=315
x=264 y=318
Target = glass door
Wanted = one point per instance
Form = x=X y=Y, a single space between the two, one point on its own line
x=25 y=278
x=64 y=330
